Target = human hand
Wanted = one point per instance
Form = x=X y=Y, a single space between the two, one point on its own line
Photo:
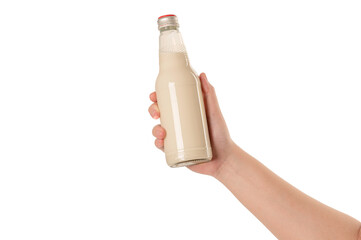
x=222 y=144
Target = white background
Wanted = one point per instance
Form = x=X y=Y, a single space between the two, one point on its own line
x=77 y=159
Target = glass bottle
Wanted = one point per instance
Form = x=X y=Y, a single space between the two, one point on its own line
x=180 y=100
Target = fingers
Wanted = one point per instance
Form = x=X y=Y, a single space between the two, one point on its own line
x=154 y=111
x=153 y=97
x=213 y=111
x=205 y=84
x=209 y=93
x=159 y=144
x=158 y=132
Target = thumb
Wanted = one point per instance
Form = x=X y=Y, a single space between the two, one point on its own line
x=213 y=111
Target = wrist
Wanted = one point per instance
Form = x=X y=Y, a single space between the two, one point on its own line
x=228 y=165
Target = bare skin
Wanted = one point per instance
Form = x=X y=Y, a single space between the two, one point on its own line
x=287 y=212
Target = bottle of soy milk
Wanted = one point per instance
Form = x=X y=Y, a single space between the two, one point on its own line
x=180 y=100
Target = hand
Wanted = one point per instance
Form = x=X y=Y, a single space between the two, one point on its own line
x=222 y=144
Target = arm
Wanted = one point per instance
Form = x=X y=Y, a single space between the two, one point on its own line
x=284 y=210
x=287 y=212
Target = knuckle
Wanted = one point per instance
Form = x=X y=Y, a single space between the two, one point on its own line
x=163 y=133
x=158 y=143
x=152 y=109
x=155 y=106
x=155 y=128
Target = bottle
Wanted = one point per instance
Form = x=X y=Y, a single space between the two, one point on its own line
x=180 y=100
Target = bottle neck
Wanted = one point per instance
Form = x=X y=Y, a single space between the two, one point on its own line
x=167 y=28
x=172 y=52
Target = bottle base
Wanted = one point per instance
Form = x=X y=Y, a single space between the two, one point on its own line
x=189 y=157
x=190 y=162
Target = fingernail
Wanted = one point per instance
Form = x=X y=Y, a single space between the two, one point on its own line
x=205 y=76
x=205 y=86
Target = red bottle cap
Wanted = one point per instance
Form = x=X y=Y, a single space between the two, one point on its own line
x=169 y=15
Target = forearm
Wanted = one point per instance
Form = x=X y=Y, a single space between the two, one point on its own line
x=287 y=212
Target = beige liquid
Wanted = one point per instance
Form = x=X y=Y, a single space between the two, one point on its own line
x=182 y=112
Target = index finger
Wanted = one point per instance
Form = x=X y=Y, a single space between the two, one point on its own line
x=153 y=97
